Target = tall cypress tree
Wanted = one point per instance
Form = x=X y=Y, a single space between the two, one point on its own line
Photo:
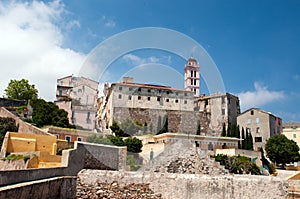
x=223 y=130
x=250 y=142
x=244 y=139
x=228 y=131
x=158 y=124
x=239 y=136
x=198 y=128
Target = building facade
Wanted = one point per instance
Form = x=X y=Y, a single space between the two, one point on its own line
x=261 y=124
x=78 y=96
x=221 y=108
x=292 y=131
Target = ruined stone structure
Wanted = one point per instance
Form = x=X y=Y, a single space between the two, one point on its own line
x=221 y=108
x=261 y=124
x=78 y=96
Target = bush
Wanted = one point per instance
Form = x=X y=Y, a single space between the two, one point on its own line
x=133 y=144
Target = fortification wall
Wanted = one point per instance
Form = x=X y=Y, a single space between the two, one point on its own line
x=178 y=121
x=58 y=187
x=190 y=186
x=24 y=127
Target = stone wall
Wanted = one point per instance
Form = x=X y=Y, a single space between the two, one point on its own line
x=193 y=186
x=84 y=155
x=178 y=121
x=58 y=187
x=24 y=127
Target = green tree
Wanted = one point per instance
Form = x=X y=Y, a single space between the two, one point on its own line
x=116 y=140
x=224 y=130
x=198 y=128
x=164 y=129
x=130 y=127
x=281 y=150
x=7 y=124
x=239 y=136
x=98 y=139
x=228 y=131
x=250 y=142
x=47 y=113
x=133 y=144
x=117 y=130
x=244 y=138
x=21 y=90
x=158 y=125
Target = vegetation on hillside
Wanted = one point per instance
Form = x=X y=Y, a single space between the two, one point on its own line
x=7 y=124
x=238 y=164
x=21 y=90
x=282 y=150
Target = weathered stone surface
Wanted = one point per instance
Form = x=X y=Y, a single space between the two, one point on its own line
x=194 y=186
x=115 y=190
x=182 y=157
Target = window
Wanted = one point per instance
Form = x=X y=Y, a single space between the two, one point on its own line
x=228 y=101
x=120 y=88
x=158 y=99
x=185 y=94
x=139 y=97
x=191 y=82
x=257 y=130
x=139 y=89
x=195 y=73
x=168 y=92
x=130 y=89
x=167 y=100
x=149 y=98
x=60 y=92
x=191 y=72
x=185 y=102
x=176 y=101
x=120 y=96
x=149 y=91
x=248 y=121
x=68 y=138
x=223 y=100
x=257 y=120
x=195 y=83
x=129 y=97
x=194 y=90
x=294 y=135
x=252 y=112
x=79 y=139
x=223 y=111
x=61 y=83
x=258 y=139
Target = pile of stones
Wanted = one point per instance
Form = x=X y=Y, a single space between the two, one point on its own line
x=184 y=158
x=116 y=191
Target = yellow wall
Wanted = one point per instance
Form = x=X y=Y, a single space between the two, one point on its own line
x=293 y=134
x=23 y=142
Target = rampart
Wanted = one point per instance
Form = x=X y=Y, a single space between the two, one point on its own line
x=24 y=127
x=83 y=156
x=193 y=186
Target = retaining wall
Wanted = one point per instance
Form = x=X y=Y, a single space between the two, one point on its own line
x=190 y=186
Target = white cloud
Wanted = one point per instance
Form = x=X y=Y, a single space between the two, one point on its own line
x=31 y=45
x=110 y=23
x=136 y=60
x=260 y=96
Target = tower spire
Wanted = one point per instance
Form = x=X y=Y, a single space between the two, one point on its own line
x=192 y=76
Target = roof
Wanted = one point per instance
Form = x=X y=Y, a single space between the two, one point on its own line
x=260 y=110
x=151 y=86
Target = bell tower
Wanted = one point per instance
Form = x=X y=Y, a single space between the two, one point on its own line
x=192 y=76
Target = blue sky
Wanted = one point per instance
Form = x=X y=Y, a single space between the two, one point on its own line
x=255 y=44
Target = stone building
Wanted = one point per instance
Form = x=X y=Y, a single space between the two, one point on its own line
x=261 y=124
x=145 y=103
x=292 y=131
x=221 y=109
x=192 y=76
x=78 y=96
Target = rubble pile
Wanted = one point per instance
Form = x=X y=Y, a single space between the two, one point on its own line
x=116 y=191
x=182 y=157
